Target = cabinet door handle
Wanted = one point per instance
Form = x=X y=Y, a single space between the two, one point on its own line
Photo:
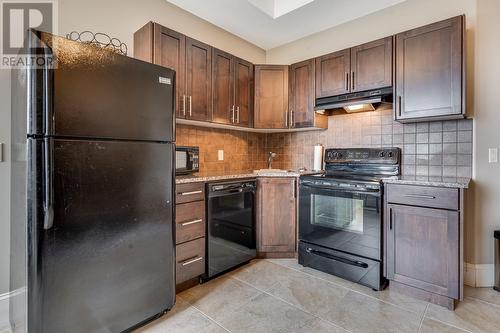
x=346 y=81
x=191 y=193
x=190 y=106
x=352 y=80
x=286 y=119
x=191 y=261
x=390 y=218
x=291 y=119
x=420 y=196
x=237 y=114
x=191 y=222
x=184 y=105
x=399 y=105
x=232 y=114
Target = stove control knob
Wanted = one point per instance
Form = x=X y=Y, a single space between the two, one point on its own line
x=339 y=155
x=330 y=155
x=381 y=154
x=390 y=154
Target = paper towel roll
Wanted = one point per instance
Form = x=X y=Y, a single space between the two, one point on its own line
x=318 y=157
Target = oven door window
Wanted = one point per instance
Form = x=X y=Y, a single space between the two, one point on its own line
x=341 y=220
x=337 y=212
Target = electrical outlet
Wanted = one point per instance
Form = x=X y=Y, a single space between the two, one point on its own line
x=493 y=155
x=220 y=154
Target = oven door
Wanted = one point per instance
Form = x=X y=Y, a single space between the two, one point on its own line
x=342 y=219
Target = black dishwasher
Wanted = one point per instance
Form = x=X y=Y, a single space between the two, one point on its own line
x=230 y=225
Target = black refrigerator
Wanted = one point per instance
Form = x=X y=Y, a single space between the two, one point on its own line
x=98 y=175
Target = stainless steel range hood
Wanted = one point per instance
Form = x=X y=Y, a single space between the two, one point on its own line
x=355 y=102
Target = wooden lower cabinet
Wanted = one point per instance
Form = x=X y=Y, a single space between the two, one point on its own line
x=423 y=244
x=190 y=231
x=276 y=217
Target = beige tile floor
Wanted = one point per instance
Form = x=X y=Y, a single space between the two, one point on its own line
x=279 y=295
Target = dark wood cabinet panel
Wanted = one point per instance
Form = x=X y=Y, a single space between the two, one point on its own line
x=371 y=65
x=223 y=87
x=430 y=71
x=301 y=96
x=162 y=46
x=189 y=221
x=243 y=92
x=189 y=192
x=190 y=260
x=276 y=215
x=271 y=96
x=332 y=74
x=423 y=248
x=198 y=80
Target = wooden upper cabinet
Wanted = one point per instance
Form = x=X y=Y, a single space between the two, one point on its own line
x=423 y=248
x=223 y=87
x=232 y=89
x=430 y=71
x=159 y=45
x=371 y=65
x=271 y=96
x=301 y=97
x=276 y=215
x=332 y=74
x=243 y=92
x=198 y=80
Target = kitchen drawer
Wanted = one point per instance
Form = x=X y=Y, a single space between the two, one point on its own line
x=426 y=196
x=189 y=192
x=189 y=221
x=190 y=260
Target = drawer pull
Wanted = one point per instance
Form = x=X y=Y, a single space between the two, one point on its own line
x=191 y=222
x=191 y=193
x=420 y=196
x=191 y=261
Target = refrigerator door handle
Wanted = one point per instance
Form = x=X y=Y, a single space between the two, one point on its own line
x=48 y=200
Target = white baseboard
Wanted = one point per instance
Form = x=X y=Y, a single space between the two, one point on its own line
x=479 y=275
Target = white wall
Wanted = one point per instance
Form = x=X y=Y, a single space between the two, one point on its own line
x=487 y=121
x=121 y=18
x=4 y=180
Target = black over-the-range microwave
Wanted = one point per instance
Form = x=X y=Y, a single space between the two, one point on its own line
x=187 y=160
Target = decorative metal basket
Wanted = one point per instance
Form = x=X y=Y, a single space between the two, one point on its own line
x=100 y=39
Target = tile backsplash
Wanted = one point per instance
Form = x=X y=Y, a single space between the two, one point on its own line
x=242 y=151
x=431 y=150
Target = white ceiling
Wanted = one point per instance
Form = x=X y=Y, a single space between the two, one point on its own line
x=271 y=23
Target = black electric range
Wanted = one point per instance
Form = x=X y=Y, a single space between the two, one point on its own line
x=341 y=215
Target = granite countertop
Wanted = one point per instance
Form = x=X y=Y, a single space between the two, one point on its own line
x=209 y=177
x=451 y=182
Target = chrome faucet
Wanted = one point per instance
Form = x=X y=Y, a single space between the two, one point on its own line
x=270 y=159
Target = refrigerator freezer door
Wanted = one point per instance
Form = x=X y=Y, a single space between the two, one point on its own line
x=97 y=93
x=106 y=262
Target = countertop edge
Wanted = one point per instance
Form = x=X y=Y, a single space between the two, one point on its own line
x=200 y=179
x=462 y=183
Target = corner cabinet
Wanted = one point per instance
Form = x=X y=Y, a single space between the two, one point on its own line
x=271 y=96
x=430 y=72
x=302 y=97
x=191 y=60
x=423 y=227
x=276 y=217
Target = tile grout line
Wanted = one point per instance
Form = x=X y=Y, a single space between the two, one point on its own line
x=422 y=319
x=292 y=305
x=209 y=318
x=483 y=301
x=353 y=290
